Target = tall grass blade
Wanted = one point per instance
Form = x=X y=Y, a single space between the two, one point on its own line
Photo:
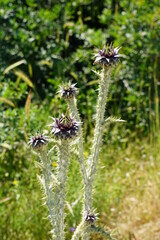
x=24 y=77
x=28 y=103
x=9 y=102
x=14 y=65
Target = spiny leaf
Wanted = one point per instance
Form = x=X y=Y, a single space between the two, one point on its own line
x=92 y=82
x=114 y=119
x=14 y=65
x=9 y=102
x=24 y=77
x=69 y=208
x=101 y=231
x=38 y=165
x=97 y=73
x=41 y=180
x=55 y=179
x=76 y=201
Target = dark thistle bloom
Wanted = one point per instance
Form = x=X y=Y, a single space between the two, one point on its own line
x=38 y=141
x=68 y=90
x=90 y=218
x=64 y=127
x=107 y=56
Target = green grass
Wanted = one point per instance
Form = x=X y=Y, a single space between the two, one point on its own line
x=126 y=196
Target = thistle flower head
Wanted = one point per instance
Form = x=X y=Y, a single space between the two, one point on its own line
x=38 y=141
x=64 y=127
x=108 y=56
x=68 y=90
x=90 y=218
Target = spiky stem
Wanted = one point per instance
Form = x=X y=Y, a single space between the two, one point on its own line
x=97 y=140
x=79 y=230
x=46 y=167
x=72 y=105
x=60 y=190
x=98 y=132
x=101 y=231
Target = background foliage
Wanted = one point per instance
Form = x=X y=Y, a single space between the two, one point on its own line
x=53 y=42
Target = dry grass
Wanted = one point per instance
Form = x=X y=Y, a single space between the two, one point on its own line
x=140 y=215
x=137 y=215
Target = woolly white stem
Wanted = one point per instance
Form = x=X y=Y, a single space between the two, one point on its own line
x=60 y=190
x=47 y=184
x=79 y=231
x=98 y=132
x=72 y=104
x=97 y=140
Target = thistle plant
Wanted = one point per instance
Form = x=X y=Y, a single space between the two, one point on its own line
x=64 y=131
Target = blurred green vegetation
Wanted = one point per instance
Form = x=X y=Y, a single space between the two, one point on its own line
x=44 y=43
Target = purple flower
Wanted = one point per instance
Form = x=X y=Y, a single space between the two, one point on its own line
x=107 y=56
x=90 y=218
x=72 y=229
x=64 y=127
x=38 y=141
x=68 y=90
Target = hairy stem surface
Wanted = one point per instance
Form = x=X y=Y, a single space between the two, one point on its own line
x=97 y=140
x=47 y=185
x=79 y=231
x=60 y=189
x=98 y=132
x=74 y=111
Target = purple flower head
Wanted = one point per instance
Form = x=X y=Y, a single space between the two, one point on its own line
x=68 y=90
x=108 y=56
x=38 y=141
x=90 y=218
x=64 y=127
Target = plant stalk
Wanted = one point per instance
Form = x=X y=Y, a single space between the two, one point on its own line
x=47 y=184
x=72 y=104
x=60 y=190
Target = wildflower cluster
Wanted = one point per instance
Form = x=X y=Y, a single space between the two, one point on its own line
x=66 y=128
